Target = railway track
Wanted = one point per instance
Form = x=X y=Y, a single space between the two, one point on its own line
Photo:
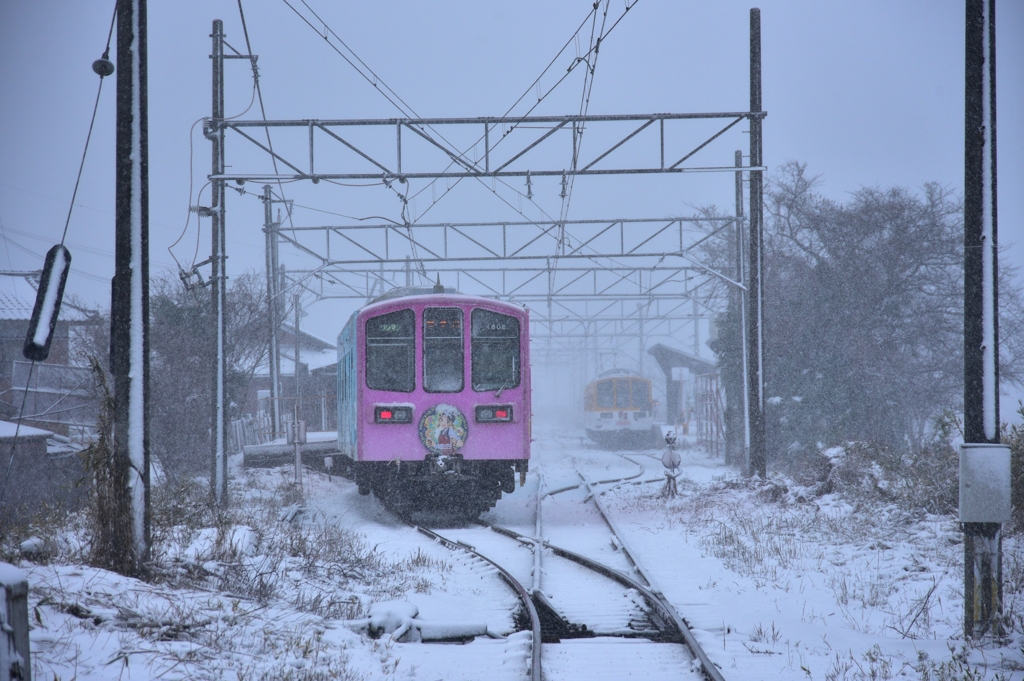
x=580 y=603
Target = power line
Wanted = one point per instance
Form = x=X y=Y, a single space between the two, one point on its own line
x=460 y=156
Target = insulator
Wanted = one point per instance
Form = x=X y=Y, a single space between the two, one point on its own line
x=103 y=67
x=562 y=195
x=529 y=186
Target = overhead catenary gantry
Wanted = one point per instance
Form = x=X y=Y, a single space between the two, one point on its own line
x=386 y=161
x=594 y=286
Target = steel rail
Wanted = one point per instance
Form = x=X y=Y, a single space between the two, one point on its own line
x=709 y=668
x=652 y=595
x=524 y=595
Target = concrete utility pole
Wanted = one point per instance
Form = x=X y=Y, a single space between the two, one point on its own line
x=129 y=305
x=218 y=279
x=755 y=295
x=297 y=303
x=733 y=375
x=270 y=230
x=984 y=463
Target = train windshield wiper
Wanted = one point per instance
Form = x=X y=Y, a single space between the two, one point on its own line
x=508 y=380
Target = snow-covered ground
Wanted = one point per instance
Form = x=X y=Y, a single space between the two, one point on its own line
x=775 y=583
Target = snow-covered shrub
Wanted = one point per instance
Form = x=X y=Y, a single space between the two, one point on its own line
x=925 y=479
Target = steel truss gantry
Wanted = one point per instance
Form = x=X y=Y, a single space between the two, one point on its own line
x=595 y=286
x=369 y=160
x=640 y=271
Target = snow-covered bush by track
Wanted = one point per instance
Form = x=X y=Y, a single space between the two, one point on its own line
x=864 y=566
x=260 y=590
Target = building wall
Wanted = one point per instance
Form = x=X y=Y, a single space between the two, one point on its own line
x=40 y=482
x=12 y=339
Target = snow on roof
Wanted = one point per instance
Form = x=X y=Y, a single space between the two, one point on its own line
x=312 y=360
x=8 y=428
x=17 y=294
x=18 y=297
x=307 y=340
x=670 y=354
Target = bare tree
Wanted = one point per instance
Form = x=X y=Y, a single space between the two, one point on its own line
x=864 y=313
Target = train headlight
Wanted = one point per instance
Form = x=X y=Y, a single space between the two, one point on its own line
x=392 y=414
x=494 y=413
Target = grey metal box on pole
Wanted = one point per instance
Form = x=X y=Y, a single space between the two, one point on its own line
x=984 y=483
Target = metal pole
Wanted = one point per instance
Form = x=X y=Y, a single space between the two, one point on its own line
x=270 y=230
x=755 y=294
x=640 y=327
x=298 y=445
x=129 y=333
x=696 y=329
x=982 y=540
x=298 y=388
x=218 y=279
x=736 y=387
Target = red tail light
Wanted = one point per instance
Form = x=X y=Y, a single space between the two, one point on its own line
x=392 y=414
x=494 y=413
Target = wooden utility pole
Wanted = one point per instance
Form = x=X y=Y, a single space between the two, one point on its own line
x=755 y=356
x=129 y=307
x=984 y=463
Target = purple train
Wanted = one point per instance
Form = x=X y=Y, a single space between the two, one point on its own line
x=434 y=400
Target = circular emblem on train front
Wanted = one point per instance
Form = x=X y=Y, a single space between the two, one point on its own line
x=443 y=429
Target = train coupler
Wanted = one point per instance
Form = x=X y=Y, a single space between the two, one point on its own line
x=522 y=465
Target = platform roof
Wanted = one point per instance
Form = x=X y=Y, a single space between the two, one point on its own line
x=669 y=357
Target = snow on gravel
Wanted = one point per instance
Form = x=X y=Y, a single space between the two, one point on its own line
x=775 y=584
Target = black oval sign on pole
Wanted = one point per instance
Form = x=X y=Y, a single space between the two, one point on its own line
x=48 y=298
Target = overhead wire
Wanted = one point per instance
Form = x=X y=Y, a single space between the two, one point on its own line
x=408 y=111
x=191 y=176
x=588 y=86
x=579 y=59
x=460 y=156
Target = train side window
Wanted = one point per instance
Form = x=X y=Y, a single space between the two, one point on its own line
x=588 y=398
x=641 y=394
x=391 y=351
x=606 y=395
x=443 y=350
x=621 y=393
x=496 y=363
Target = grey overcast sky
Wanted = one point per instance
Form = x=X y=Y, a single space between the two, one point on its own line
x=866 y=93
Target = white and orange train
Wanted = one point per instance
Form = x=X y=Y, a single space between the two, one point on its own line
x=619 y=411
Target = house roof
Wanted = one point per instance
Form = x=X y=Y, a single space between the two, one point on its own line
x=307 y=340
x=7 y=430
x=18 y=297
x=314 y=352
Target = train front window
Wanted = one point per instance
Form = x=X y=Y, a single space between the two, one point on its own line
x=641 y=394
x=495 y=351
x=443 y=353
x=622 y=393
x=391 y=351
